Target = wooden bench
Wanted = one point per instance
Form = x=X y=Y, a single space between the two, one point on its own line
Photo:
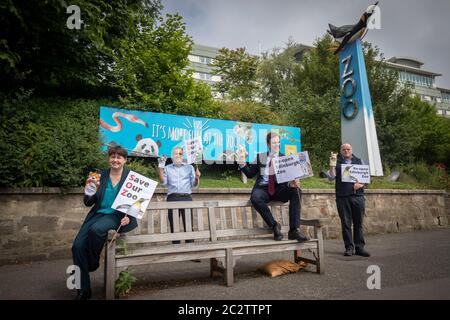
x=221 y=229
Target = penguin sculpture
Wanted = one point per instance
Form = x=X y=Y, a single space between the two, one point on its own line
x=349 y=33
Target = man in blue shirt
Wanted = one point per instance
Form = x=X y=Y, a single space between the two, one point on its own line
x=179 y=178
x=350 y=202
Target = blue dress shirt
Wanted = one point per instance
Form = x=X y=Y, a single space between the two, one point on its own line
x=179 y=179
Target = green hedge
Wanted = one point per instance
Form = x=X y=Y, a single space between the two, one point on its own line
x=48 y=142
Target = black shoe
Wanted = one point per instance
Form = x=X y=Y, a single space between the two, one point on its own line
x=277 y=235
x=297 y=235
x=348 y=252
x=176 y=242
x=189 y=241
x=196 y=260
x=84 y=294
x=362 y=252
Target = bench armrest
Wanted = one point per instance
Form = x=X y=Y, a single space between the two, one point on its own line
x=312 y=222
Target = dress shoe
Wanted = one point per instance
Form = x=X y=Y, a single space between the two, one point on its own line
x=277 y=235
x=348 y=252
x=362 y=252
x=84 y=294
x=297 y=235
x=196 y=260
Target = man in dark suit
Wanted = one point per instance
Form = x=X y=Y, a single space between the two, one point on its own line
x=267 y=189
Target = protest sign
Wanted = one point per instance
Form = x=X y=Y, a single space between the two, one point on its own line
x=135 y=194
x=194 y=150
x=355 y=173
x=295 y=166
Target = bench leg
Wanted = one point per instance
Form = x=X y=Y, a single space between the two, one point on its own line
x=110 y=270
x=320 y=253
x=229 y=267
x=297 y=255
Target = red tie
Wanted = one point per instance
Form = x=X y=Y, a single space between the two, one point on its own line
x=271 y=179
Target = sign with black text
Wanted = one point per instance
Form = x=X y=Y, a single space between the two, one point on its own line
x=355 y=173
x=135 y=194
x=194 y=150
x=294 y=166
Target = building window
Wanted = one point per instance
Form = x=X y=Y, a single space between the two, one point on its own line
x=205 y=60
x=439 y=111
x=204 y=76
x=445 y=96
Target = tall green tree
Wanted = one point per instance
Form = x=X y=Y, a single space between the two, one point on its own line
x=38 y=51
x=151 y=70
x=238 y=70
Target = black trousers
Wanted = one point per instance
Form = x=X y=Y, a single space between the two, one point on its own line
x=89 y=242
x=181 y=212
x=260 y=197
x=351 y=210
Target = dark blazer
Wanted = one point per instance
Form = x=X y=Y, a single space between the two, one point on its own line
x=345 y=189
x=255 y=169
x=97 y=198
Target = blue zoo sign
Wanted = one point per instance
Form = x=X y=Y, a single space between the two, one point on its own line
x=150 y=134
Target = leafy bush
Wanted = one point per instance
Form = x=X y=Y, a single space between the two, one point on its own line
x=434 y=177
x=48 y=142
x=143 y=166
x=124 y=283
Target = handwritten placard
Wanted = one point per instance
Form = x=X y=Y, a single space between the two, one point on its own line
x=355 y=173
x=194 y=150
x=295 y=166
x=135 y=195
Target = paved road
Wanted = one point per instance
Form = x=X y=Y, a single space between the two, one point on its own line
x=413 y=265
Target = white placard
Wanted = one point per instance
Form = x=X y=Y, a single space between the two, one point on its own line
x=295 y=166
x=194 y=150
x=135 y=194
x=355 y=173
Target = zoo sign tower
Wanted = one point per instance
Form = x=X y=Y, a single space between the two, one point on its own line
x=357 y=120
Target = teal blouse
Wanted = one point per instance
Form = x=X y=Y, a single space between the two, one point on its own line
x=108 y=198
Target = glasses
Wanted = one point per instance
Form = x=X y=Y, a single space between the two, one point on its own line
x=346 y=149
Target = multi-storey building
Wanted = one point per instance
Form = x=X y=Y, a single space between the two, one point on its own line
x=409 y=70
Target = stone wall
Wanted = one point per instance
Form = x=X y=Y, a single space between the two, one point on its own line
x=38 y=224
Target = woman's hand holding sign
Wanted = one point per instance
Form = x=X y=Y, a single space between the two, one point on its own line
x=125 y=220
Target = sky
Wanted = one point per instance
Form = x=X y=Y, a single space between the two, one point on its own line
x=413 y=28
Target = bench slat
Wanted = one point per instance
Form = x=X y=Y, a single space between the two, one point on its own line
x=223 y=219
x=248 y=232
x=200 y=219
x=188 y=216
x=160 y=258
x=212 y=223
x=241 y=251
x=176 y=220
x=244 y=217
x=144 y=238
x=233 y=218
x=163 y=220
x=198 y=246
x=255 y=218
x=150 y=222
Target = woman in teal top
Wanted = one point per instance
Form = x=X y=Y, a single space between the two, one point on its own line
x=91 y=238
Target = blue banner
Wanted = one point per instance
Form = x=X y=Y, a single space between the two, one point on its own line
x=150 y=134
